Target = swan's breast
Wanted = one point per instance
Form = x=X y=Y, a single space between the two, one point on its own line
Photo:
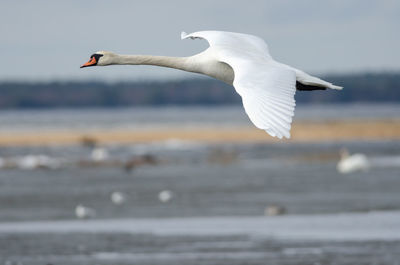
x=220 y=71
x=206 y=63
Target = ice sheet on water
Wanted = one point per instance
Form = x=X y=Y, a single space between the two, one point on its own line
x=340 y=227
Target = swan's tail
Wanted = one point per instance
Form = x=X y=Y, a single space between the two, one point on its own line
x=309 y=82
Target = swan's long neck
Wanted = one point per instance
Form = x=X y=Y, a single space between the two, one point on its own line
x=182 y=63
x=199 y=63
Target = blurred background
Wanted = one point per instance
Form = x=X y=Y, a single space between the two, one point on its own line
x=147 y=165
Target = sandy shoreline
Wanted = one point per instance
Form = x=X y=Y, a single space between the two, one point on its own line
x=301 y=132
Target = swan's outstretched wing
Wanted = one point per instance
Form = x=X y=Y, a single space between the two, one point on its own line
x=231 y=39
x=267 y=87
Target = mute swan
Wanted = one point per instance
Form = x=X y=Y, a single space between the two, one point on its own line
x=118 y=197
x=30 y=162
x=83 y=212
x=99 y=154
x=266 y=86
x=352 y=163
x=165 y=195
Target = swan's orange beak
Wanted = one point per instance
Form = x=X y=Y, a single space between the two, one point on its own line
x=91 y=62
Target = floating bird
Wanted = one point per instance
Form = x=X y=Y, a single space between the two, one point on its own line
x=99 y=154
x=29 y=162
x=83 y=212
x=352 y=163
x=165 y=195
x=118 y=197
x=266 y=86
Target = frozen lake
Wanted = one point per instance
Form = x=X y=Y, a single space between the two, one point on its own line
x=219 y=195
x=362 y=238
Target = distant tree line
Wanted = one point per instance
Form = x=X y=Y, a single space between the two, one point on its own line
x=382 y=87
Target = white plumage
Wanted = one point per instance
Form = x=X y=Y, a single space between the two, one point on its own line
x=165 y=195
x=266 y=86
x=118 y=197
x=83 y=212
x=99 y=154
x=352 y=163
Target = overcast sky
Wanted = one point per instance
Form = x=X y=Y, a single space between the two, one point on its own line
x=48 y=40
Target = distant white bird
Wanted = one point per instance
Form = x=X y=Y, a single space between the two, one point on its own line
x=83 y=212
x=99 y=154
x=266 y=86
x=118 y=197
x=37 y=161
x=165 y=195
x=352 y=163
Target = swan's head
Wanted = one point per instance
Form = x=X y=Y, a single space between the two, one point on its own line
x=100 y=58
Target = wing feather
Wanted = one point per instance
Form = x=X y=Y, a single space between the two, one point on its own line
x=267 y=88
x=229 y=39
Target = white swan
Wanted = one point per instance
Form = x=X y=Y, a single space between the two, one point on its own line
x=118 y=197
x=83 y=212
x=165 y=196
x=352 y=163
x=266 y=86
x=99 y=154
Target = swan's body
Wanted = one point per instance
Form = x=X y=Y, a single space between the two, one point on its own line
x=83 y=212
x=352 y=163
x=99 y=154
x=266 y=86
x=118 y=197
